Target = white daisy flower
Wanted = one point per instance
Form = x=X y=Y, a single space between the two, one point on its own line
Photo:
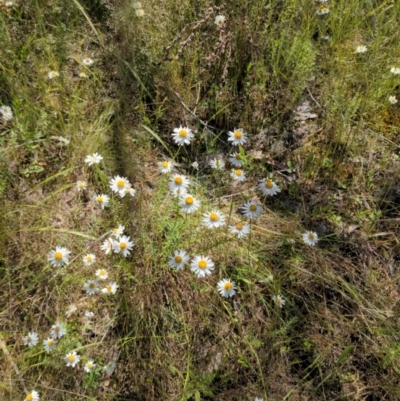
x=178 y=182
x=392 y=99
x=107 y=245
x=240 y=229
x=178 y=260
x=83 y=74
x=258 y=399
x=59 y=256
x=217 y=164
x=118 y=231
x=118 y=184
x=102 y=200
x=268 y=187
x=164 y=167
x=70 y=311
x=33 y=395
x=91 y=287
x=139 y=12
x=279 y=300
x=179 y=192
x=322 y=11
x=89 y=314
x=252 y=210
x=123 y=245
x=202 y=266
x=219 y=21
x=195 y=165
x=238 y=175
x=395 y=70
x=53 y=74
x=95 y=158
x=236 y=159
x=110 y=288
x=89 y=259
x=226 y=287
x=136 y=5
x=237 y=137
x=310 y=238
x=101 y=274
x=361 y=49
x=81 y=185
x=58 y=330
x=213 y=219
x=127 y=191
x=6 y=112
x=182 y=135
x=188 y=203
x=9 y=4
x=31 y=339
x=110 y=367
x=72 y=359
x=89 y=366
x=49 y=344
x=87 y=61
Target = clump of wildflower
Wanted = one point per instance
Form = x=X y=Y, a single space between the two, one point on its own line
x=165 y=167
x=81 y=185
x=252 y=210
x=268 y=187
x=395 y=70
x=202 y=266
x=95 y=158
x=392 y=99
x=110 y=288
x=188 y=203
x=89 y=366
x=220 y=21
x=226 y=287
x=72 y=359
x=33 y=395
x=123 y=245
x=87 y=61
x=310 y=238
x=361 y=49
x=279 y=300
x=178 y=260
x=322 y=11
x=53 y=74
x=59 y=256
x=119 y=185
x=182 y=135
x=49 y=344
x=6 y=113
x=58 y=330
x=91 y=287
x=31 y=339
x=240 y=229
x=238 y=175
x=237 y=137
x=217 y=164
x=102 y=200
x=213 y=219
x=89 y=259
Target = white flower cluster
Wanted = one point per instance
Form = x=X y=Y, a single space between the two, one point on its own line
x=6 y=113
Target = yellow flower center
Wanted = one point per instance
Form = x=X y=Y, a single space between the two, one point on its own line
x=100 y=199
x=182 y=133
x=29 y=397
x=88 y=258
x=238 y=157
x=71 y=358
x=120 y=183
x=253 y=208
x=102 y=272
x=109 y=288
x=89 y=366
x=227 y=286
x=278 y=301
x=91 y=285
x=237 y=134
x=238 y=172
x=50 y=342
x=189 y=200
x=311 y=236
x=268 y=183
x=57 y=329
x=122 y=245
x=81 y=185
x=239 y=226
x=202 y=264
x=214 y=217
x=58 y=255
x=178 y=180
x=165 y=164
x=53 y=73
x=178 y=259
